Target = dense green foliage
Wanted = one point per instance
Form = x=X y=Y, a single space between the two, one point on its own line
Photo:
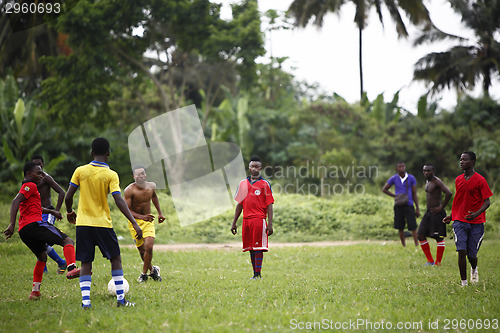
x=125 y=62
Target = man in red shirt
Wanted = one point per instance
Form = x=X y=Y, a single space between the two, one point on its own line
x=255 y=199
x=471 y=200
x=35 y=232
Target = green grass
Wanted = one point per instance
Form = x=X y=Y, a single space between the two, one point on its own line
x=210 y=291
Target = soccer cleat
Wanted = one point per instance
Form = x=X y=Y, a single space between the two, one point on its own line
x=256 y=276
x=437 y=263
x=61 y=269
x=429 y=264
x=124 y=303
x=142 y=278
x=155 y=274
x=464 y=283
x=86 y=307
x=34 y=295
x=474 y=276
x=74 y=273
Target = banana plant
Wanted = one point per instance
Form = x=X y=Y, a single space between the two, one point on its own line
x=19 y=140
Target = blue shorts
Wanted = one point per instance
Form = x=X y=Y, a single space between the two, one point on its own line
x=468 y=237
x=87 y=238
x=49 y=218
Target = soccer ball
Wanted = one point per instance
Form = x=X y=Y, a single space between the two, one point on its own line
x=112 y=288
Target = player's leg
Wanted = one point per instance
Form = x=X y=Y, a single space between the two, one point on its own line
x=422 y=238
x=252 y=258
x=440 y=232
x=55 y=236
x=399 y=223
x=462 y=266
x=141 y=248
x=402 y=236
x=411 y=222
x=85 y=283
x=259 y=244
x=146 y=250
x=148 y=258
x=117 y=275
x=474 y=243
x=51 y=252
x=108 y=244
x=460 y=229
x=440 y=246
x=29 y=236
x=247 y=238
x=259 y=257
x=85 y=253
x=38 y=275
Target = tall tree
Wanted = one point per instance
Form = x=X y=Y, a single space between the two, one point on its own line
x=471 y=61
x=108 y=47
x=25 y=37
x=305 y=10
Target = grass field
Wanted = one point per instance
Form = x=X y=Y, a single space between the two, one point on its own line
x=364 y=287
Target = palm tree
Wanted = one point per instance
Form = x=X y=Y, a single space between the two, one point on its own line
x=304 y=10
x=463 y=65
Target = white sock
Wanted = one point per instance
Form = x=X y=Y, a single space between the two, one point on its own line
x=118 y=278
x=36 y=286
x=85 y=283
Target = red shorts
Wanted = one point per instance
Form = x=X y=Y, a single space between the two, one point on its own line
x=254 y=234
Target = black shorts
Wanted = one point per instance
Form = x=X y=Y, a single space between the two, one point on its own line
x=37 y=235
x=404 y=215
x=432 y=225
x=87 y=238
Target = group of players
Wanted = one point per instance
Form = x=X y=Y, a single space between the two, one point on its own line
x=93 y=223
x=255 y=200
x=471 y=200
x=94 y=226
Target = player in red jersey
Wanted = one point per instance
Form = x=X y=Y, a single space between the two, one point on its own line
x=255 y=199
x=471 y=200
x=35 y=232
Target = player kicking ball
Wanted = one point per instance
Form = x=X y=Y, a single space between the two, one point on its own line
x=138 y=197
x=255 y=199
x=35 y=232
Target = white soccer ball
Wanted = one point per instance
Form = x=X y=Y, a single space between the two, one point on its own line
x=112 y=288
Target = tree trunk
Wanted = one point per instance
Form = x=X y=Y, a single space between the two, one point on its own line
x=361 y=64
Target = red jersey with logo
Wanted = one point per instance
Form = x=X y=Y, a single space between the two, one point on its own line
x=31 y=208
x=254 y=197
x=470 y=197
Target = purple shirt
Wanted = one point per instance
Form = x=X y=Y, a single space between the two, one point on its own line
x=403 y=187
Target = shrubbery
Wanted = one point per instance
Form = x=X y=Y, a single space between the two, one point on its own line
x=297 y=218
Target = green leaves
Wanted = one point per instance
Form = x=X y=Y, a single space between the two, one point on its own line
x=20 y=131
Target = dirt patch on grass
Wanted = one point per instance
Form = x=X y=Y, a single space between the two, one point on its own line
x=237 y=246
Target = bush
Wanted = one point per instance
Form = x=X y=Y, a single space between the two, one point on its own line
x=297 y=218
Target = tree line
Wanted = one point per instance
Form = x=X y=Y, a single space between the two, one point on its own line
x=105 y=67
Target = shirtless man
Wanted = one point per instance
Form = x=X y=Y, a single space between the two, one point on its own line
x=46 y=184
x=432 y=225
x=138 y=197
